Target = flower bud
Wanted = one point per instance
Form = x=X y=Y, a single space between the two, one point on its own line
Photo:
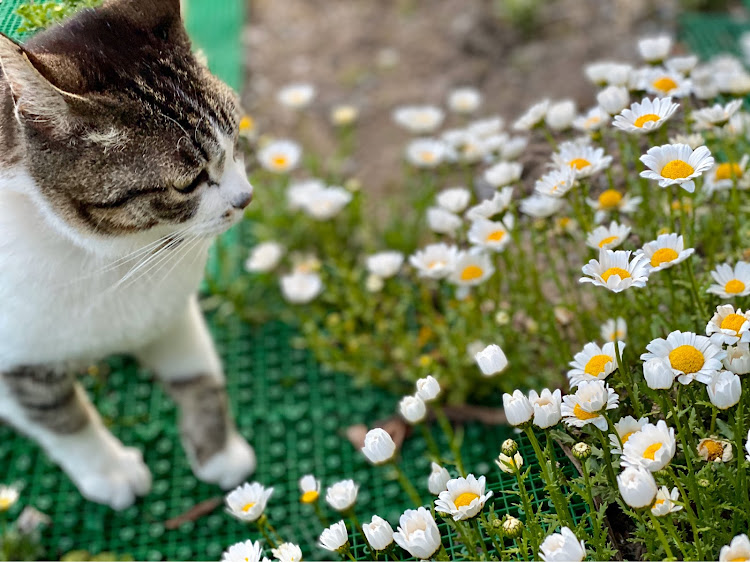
x=512 y=527
x=509 y=447
x=581 y=451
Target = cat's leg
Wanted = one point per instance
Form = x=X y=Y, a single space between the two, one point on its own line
x=185 y=360
x=48 y=405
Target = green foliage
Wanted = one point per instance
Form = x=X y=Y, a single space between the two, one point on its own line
x=37 y=16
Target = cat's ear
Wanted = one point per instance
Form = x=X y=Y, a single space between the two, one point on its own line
x=149 y=12
x=37 y=101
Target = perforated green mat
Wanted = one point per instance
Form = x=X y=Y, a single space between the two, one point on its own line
x=293 y=412
x=711 y=34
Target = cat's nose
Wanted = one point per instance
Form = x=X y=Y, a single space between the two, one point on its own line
x=242 y=200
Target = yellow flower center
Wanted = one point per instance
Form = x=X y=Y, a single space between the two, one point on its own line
x=726 y=170
x=734 y=286
x=247 y=507
x=607 y=240
x=5 y=504
x=310 y=496
x=465 y=499
x=659 y=501
x=579 y=163
x=591 y=121
x=687 y=359
x=715 y=449
x=279 y=160
x=610 y=199
x=246 y=124
x=471 y=272
x=582 y=414
x=436 y=263
x=427 y=156
x=496 y=236
x=625 y=437
x=596 y=364
x=739 y=559
x=663 y=255
x=733 y=322
x=615 y=271
x=651 y=451
x=664 y=84
x=677 y=169
x=643 y=119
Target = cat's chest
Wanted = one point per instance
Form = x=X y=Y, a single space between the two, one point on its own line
x=60 y=304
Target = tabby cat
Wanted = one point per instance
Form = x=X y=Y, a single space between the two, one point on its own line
x=119 y=164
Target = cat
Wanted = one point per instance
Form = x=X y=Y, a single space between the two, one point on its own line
x=119 y=164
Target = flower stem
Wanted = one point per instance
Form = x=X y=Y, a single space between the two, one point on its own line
x=430 y=440
x=660 y=533
x=407 y=486
x=592 y=510
x=445 y=425
x=551 y=485
x=531 y=519
x=480 y=538
x=690 y=514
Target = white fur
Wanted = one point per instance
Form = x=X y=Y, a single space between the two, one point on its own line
x=71 y=298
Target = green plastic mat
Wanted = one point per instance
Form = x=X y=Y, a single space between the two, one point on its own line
x=711 y=34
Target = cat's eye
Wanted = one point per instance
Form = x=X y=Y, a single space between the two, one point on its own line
x=199 y=180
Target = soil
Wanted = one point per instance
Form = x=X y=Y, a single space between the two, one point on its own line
x=378 y=54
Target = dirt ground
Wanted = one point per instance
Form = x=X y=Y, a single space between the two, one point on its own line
x=378 y=54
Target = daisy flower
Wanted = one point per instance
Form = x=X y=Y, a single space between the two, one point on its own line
x=716 y=115
x=637 y=486
x=454 y=199
x=495 y=205
x=264 y=257
x=724 y=389
x=334 y=538
x=588 y=404
x=690 y=356
x=379 y=533
x=464 y=497
x=540 y=206
x=426 y=152
x=614 y=329
x=489 y=235
x=611 y=200
x=594 y=362
x=503 y=173
x=683 y=65
x=310 y=488
x=625 y=428
x=385 y=264
x=419 y=119
x=464 y=100
x=296 y=96
x=562 y=547
x=613 y=99
x=342 y=495
x=676 y=164
x=472 y=268
x=728 y=326
x=655 y=49
x=664 y=504
x=738 y=359
x=560 y=115
x=607 y=237
x=582 y=157
x=546 y=407
x=662 y=83
x=486 y=127
x=8 y=497
x=723 y=176
x=712 y=449
x=593 y=120
x=731 y=281
x=418 y=533
x=513 y=147
x=247 y=502
x=442 y=221
x=343 y=115
x=326 y=203
x=557 y=182
x=608 y=73
x=646 y=116
x=247 y=551
x=616 y=271
x=533 y=116
x=738 y=549
x=652 y=447
x=301 y=287
x=287 y=552
x=280 y=156
x=666 y=251
x=435 y=261
x=437 y=481
x=300 y=193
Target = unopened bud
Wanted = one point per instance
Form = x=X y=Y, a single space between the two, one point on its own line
x=509 y=447
x=581 y=451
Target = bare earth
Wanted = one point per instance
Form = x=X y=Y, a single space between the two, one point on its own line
x=378 y=54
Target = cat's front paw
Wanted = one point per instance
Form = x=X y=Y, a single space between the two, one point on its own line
x=116 y=482
x=230 y=466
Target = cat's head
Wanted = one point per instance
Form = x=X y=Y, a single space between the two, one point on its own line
x=122 y=129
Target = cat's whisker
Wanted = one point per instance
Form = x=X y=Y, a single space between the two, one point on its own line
x=135 y=272
x=188 y=247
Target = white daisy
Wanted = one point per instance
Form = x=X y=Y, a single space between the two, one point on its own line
x=676 y=164
x=664 y=504
x=280 y=156
x=8 y=497
x=738 y=359
x=310 y=488
x=588 y=404
x=646 y=116
x=426 y=152
x=626 y=427
x=486 y=127
x=342 y=495
x=611 y=200
x=264 y=257
x=666 y=251
x=464 y=100
x=723 y=176
x=662 y=83
x=613 y=99
x=716 y=115
x=560 y=115
x=287 y=552
x=731 y=281
x=503 y=173
x=495 y=205
x=683 y=65
x=655 y=49
x=540 y=206
x=616 y=271
x=385 y=264
x=300 y=193
x=513 y=147
x=608 y=73
x=435 y=261
x=301 y=287
x=247 y=551
x=326 y=203
x=533 y=116
x=489 y=235
x=472 y=268
x=557 y=182
x=711 y=449
x=442 y=221
x=738 y=549
x=728 y=326
x=691 y=357
x=248 y=501
x=454 y=199
x=594 y=362
x=343 y=115
x=593 y=120
x=464 y=497
x=652 y=447
x=607 y=237
x=582 y=157
x=419 y=118
x=296 y=96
